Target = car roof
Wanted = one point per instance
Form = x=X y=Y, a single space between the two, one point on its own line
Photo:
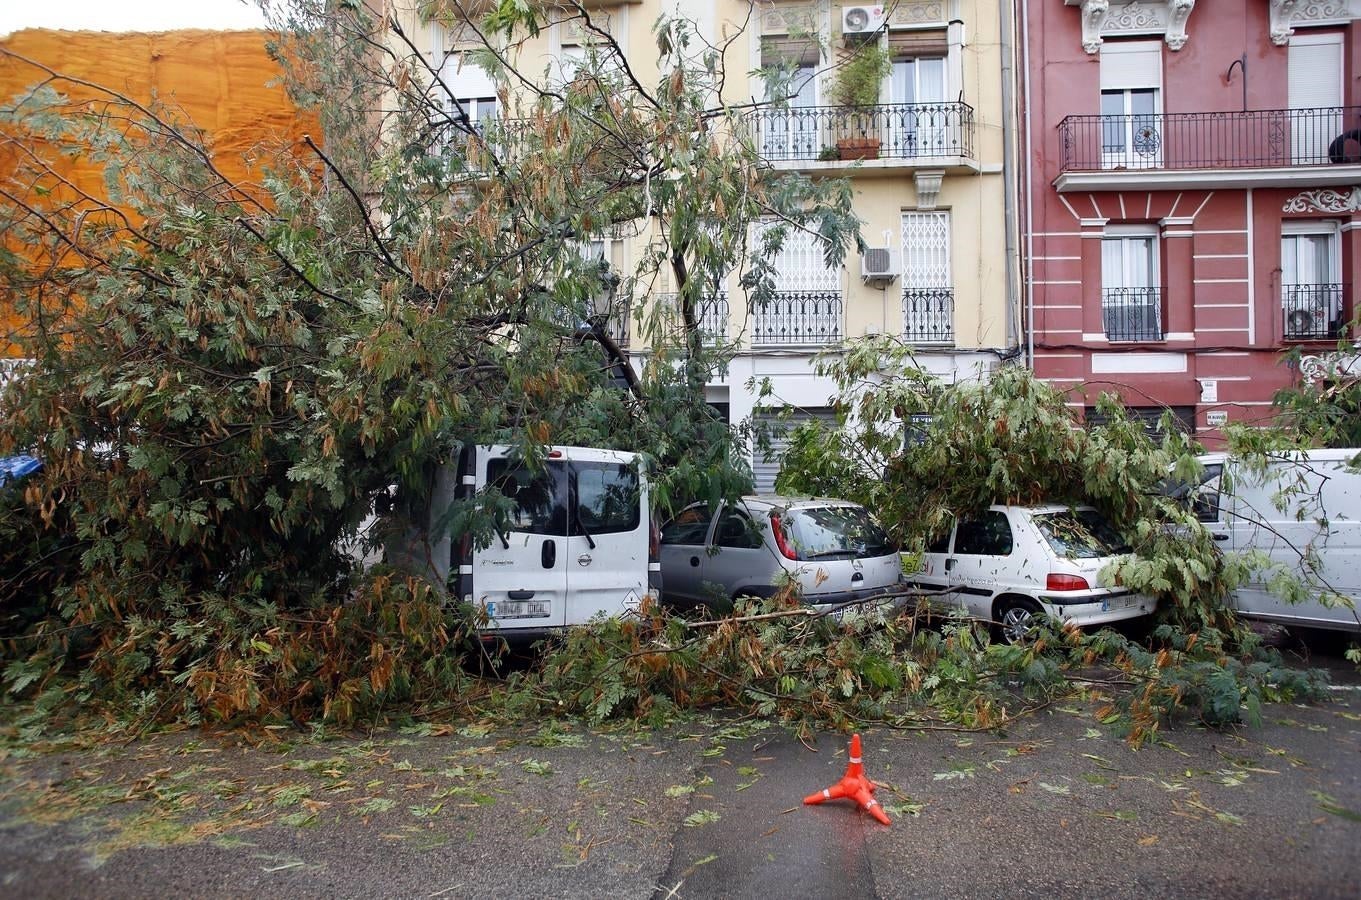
x=1043 y=508
x=786 y=501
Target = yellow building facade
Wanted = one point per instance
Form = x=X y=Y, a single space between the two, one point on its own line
x=926 y=164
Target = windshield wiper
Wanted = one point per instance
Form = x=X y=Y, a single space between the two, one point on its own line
x=582 y=525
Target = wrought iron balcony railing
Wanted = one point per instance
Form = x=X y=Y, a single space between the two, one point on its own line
x=929 y=315
x=1132 y=314
x=901 y=130
x=798 y=318
x=712 y=313
x=1258 y=138
x=1313 y=312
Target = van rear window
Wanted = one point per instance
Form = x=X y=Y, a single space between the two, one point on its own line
x=607 y=497
x=538 y=499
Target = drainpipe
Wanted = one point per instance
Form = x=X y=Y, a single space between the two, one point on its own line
x=1029 y=189
x=1009 y=186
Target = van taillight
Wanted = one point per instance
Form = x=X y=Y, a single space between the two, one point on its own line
x=654 y=542
x=781 y=541
x=1060 y=582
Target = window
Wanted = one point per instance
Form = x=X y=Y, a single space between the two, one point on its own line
x=737 y=530
x=920 y=124
x=471 y=90
x=928 y=298
x=538 y=500
x=1131 y=85
x=1131 y=300
x=689 y=528
x=606 y=496
x=988 y=535
x=1311 y=292
x=806 y=307
x=790 y=130
x=1080 y=534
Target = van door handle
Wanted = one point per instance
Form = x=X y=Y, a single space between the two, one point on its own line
x=1219 y=536
x=694 y=561
x=549 y=554
x=519 y=595
x=949 y=564
x=584 y=559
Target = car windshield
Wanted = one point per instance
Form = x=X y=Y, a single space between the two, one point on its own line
x=1080 y=534
x=826 y=532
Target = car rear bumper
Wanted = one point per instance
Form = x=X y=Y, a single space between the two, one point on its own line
x=1097 y=608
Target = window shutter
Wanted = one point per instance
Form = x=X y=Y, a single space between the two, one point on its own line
x=796 y=51
x=766 y=468
x=1134 y=64
x=1314 y=71
x=910 y=44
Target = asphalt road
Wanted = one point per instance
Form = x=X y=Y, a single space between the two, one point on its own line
x=1056 y=807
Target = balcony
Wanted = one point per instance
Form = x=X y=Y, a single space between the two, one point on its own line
x=1132 y=314
x=922 y=134
x=929 y=315
x=798 y=318
x=1313 y=312
x=1257 y=148
x=712 y=312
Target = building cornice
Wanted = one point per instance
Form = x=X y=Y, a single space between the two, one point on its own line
x=1210 y=179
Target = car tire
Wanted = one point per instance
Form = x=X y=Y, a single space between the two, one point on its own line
x=1013 y=617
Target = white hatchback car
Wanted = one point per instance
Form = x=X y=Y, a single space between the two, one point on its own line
x=1013 y=563
x=833 y=550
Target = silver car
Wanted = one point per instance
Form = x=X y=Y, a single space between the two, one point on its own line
x=833 y=550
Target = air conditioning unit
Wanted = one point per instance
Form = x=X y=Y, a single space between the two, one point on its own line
x=861 y=21
x=878 y=265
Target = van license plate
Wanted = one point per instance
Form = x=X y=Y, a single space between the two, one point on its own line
x=519 y=609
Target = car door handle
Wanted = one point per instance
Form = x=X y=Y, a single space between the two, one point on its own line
x=519 y=595
x=858 y=576
x=1219 y=536
x=694 y=561
x=549 y=554
x=949 y=564
x=584 y=559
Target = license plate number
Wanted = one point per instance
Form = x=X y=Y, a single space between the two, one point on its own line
x=1118 y=603
x=518 y=609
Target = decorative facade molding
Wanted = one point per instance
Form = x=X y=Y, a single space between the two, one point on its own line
x=1325 y=200
x=1336 y=366
x=1286 y=14
x=787 y=18
x=917 y=13
x=928 y=187
x=1105 y=18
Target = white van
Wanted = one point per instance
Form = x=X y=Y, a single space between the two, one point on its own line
x=579 y=540
x=1304 y=512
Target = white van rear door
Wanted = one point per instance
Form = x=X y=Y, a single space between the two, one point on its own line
x=608 y=535
x=521 y=579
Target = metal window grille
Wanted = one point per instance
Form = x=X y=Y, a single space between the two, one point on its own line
x=1132 y=314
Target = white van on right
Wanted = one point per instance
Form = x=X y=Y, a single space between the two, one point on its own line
x=1304 y=511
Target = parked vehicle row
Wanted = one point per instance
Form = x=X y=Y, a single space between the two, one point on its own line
x=579 y=541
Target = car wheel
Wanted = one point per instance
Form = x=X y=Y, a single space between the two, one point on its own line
x=1015 y=616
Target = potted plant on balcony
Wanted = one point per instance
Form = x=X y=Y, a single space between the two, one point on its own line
x=855 y=90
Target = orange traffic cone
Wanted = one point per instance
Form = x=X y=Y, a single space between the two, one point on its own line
x=853 y=784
